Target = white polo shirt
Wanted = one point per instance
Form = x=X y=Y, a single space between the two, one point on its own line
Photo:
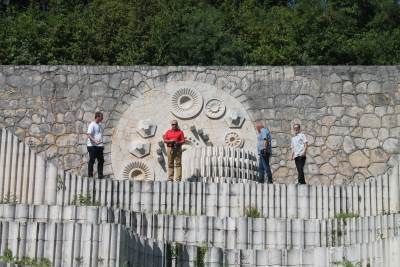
x=298 y=144
x=96 y=131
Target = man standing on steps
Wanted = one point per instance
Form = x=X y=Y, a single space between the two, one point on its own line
x=299 y=150
x=95 y=145
x=174 y=138
x=264 y=149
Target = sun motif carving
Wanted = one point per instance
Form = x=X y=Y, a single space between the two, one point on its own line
x=186 y=103
x=137 y=171
x=215 y=108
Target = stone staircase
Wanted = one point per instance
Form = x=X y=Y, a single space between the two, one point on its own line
x=46 y=213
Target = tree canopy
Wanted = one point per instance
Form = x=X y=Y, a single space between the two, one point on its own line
x=200 y=32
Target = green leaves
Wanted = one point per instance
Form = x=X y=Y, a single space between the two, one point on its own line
x=206 y=32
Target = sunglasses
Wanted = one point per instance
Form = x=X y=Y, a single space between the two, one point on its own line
x=174 y=124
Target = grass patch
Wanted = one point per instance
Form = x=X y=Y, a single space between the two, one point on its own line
x=346 y=215
x=84 y=200
x=24 y=261
x=253 y=213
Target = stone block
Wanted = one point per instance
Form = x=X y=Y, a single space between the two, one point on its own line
x=372 y=143
x=337 y=130
x=390 y=121
x=348 y=144
x=327 y=168
x=67 y=140
x=374 y=87
x=377 y=168
x=333 y=99
x=358 y=159
x=334 y=142
x=370 y=121
x=391 y=145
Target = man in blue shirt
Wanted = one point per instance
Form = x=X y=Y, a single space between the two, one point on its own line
x=264 y=149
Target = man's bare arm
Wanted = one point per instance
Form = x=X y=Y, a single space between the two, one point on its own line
x=91 y=138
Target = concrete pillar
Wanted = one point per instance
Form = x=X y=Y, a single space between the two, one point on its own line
x=51 y=184
x=394 y=194
x=14 y=167
x=3 y=151
x=39 y=184
x=32 y=176
x=367 y=198
x=303 y=202
x=7 y=166
x=291 y=201
x=25 y=175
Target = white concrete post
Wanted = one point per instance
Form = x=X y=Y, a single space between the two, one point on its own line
x=51 y=184
x=39 y=184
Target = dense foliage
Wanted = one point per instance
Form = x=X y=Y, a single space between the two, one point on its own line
x=200 y=32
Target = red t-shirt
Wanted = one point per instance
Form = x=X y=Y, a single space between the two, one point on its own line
x=175 y=135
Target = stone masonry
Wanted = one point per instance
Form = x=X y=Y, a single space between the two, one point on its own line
x=350 y=114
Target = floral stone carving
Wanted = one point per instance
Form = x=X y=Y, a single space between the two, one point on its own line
x=215 y=108
x=233 y=139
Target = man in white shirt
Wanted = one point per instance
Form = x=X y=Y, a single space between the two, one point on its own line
x=95 y=145
x=299 y=150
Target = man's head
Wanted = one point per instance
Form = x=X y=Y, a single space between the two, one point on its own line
x=98 y=117
x=259 y=126
x=174 y=125
x=296 y=128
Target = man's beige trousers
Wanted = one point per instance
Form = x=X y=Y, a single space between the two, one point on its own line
x=174 y=156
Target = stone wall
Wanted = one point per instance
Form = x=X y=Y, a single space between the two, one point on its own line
x=351 y=114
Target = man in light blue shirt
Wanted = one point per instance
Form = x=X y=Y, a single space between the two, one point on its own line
x=264 y=149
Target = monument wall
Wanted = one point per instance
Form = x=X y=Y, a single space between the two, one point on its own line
x=351 y=114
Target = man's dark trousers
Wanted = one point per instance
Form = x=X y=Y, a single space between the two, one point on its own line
x=95 y=152
x=300 y=162
x=264 y=168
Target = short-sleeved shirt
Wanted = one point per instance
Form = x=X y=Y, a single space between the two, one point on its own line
x=298 y=144
x=264 y=134
x=174 y=135
x=96 y=131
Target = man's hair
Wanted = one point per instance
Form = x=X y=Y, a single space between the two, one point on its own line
x=260 y=125
x=98 y=114
x=296 y=124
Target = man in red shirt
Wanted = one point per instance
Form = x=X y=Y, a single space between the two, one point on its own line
x=174 y=138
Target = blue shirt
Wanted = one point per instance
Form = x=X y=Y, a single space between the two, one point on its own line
x=264 y=134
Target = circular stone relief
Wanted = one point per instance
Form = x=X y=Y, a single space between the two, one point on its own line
x=233 y=139
x=137 y=171
x=215 y=108
x=186 y=103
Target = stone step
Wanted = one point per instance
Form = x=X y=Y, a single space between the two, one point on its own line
x=230 y=233
x=107 y=244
